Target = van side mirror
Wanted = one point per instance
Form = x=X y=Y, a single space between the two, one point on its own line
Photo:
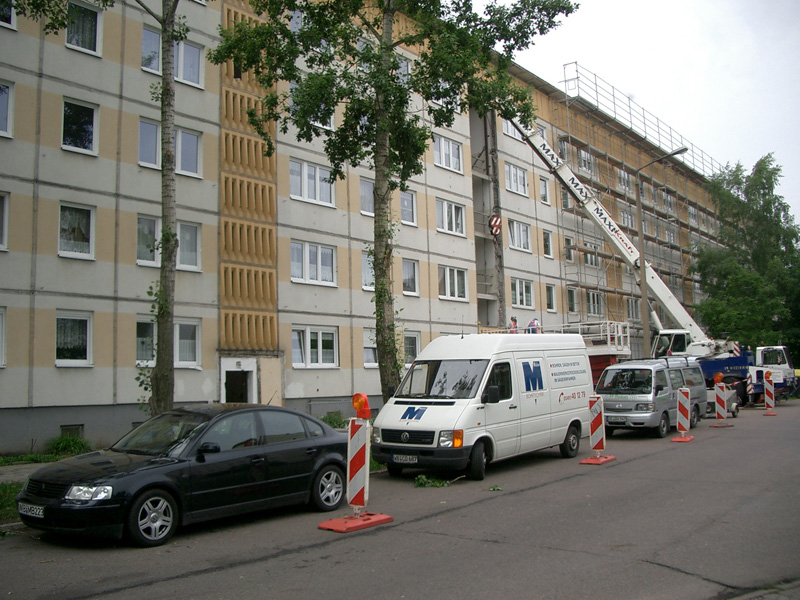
x=491 y=395
x=659 y=388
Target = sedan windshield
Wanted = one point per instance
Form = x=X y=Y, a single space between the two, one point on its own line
x=161 y=434
x=442 y=379
x=626 y=381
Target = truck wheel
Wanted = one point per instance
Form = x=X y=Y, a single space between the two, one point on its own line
x=663 y=426
x=735 y=410
x=694 y=419
x=477 y=462
x=569 y=447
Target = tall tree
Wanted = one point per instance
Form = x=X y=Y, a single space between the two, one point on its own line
x=56 y=15
x=751 y=279
x=345 y=53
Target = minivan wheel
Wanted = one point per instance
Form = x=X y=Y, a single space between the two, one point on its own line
x=572 y=442
x=663 y=426
x=695 y=417
x=153 y=518
x=477 y=462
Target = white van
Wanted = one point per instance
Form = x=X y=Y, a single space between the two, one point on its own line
x=469 y=400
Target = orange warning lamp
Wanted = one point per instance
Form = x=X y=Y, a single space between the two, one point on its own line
x=361 y=404
x=768 y=375
x=718 y=378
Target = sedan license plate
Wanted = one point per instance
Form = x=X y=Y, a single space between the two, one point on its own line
x=31 y=510
x=404 y=459
x=615 y=419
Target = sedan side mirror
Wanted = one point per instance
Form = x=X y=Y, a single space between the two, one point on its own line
x=208 y=448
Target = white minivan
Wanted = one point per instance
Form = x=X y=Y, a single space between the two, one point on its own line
x=472 y=399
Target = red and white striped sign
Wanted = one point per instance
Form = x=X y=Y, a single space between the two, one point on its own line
x=358 y=463
x=737 y=349
x=683 y=410
x=722 y=408
x=769 y=394
x=597 y=431
x=750 y=390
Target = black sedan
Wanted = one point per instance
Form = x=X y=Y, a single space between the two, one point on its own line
x=188 y=465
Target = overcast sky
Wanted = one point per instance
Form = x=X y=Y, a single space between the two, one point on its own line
x=725 y=74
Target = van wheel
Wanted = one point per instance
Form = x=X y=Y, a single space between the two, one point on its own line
x=477 y=462
x=695 y=417
x=569 y=447
x=394 y=470
x=663 y=426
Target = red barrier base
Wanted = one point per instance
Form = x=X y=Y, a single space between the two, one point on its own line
x=355 y=522
x=598 y=460
x=683 y=438
x=770 y=413
x=722 y=424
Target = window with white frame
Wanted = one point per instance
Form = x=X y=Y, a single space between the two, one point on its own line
x=2 y=336
x=149 y=144
x=370 y=349
x=85 y=28
x=521 y=293
x=313 y=263
x=367 y=194
x=516 y=179
x=544 y=190
x=8 y=16
x=403 y=70
x=188 y=63
x=410 y=277
x=310 y=183
x=452 y=283
x=594 y=303
x=572 y=300
x=550 y=296
x=79 y=126
x=314 y=347
x=645 y=227
x=4 y=202
x=633 y=309
x=367 y=272
x=590 y=258
x=324 y=124
x=626 y=218
x=519 y=236
x=669 y=201
x=449 y=217
x=624 y=180
x=510 y=129
x=669 y=235
x=188 y=152
x=73 y=338
x=6 y=109
x=562 y=148
x=76 y=231
x=148 y=233
x=151 y=50
x=547 y=244
x=408 y=207
x=411 y=342
x=585 y=161
x=566 y=198
x=187 y=343
x=693 y=214
x=145 y=341
x=569 y=252
x=188 y=247
x=443 y=97
x=447 y=153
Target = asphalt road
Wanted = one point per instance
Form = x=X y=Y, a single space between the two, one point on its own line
x=713 y=518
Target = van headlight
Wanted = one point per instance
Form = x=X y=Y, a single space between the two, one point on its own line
x=376 y=435
x=89 y=492
x=451 y=439
x=645 y=407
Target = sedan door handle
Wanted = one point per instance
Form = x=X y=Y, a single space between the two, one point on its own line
x=311 y=451
x=257 y=460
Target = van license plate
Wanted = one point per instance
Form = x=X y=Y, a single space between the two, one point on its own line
x=404 y=459
x=615 y=419
x=30 y=510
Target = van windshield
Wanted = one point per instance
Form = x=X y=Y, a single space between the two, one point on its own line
x=442 y=379
x=626 y=381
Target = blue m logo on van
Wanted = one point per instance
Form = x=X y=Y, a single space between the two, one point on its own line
x=532 y=371
x=413 y=414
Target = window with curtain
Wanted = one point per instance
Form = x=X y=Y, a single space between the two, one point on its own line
x=83 y=27
x=75 y=232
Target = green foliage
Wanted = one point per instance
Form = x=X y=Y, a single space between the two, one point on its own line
x=68 y=445
x=19 y=459
x=335 y=420
x=8 y=503
x=423 y=480
x=495 y=488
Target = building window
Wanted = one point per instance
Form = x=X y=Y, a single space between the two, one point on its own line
x=594 y=304
x=310 y=183
x=79 y=125
x=148 y=232
x=669 y=201
x=188 y=63
x=6 y=109
x=452 y=283
x=188 y=247
x=562 y=148
x=188 y=152
x=585 y=161
x=566 y=199
x=408 y=207
x=547 y=244
x=590 y=258
x=624 y=180
x=151 y=50
x=149 y=144
x=314 y=347
x=4 y=221
x=544 y=190
x=313 y=263
x=367 y=193
x=572 y=300
x=367 y=272
x=633 y=309
x=76 y=232
x=324 y=124
x=145 y=342
x=2 y=336
x=669 y=236
x=410 y=277
x=403 y=70
x=519 y=236
x=446 y=153
x=626 y=219
x=449 y=217
x=510 y=129
x=187 y=339
x=8 y=16
x=84 y=28
x=516 y=180
x=370 y=349
x=569 y=253
x=550 y=296
x=521 y=293
x=410 y=346
x=693 y=214
x=73 y=338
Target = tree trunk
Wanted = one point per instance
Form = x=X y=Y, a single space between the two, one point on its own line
x=497 y=240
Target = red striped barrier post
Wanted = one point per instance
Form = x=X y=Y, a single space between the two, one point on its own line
x=597 y=433
x=721 y=406
x=684 y=406
x=769 y=397
x=750 y=389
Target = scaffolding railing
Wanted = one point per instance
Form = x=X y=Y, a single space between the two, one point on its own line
x=603 y=337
